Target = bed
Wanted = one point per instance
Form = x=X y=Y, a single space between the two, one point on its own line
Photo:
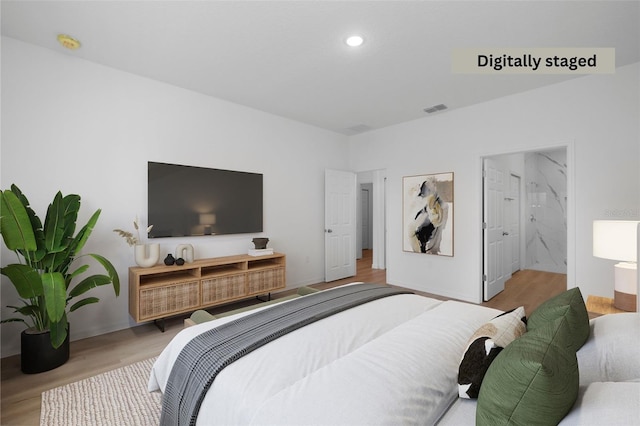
x=393 y=360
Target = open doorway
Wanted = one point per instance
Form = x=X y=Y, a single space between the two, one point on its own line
x=371 y=213
x=525 y=215
x=366 y=216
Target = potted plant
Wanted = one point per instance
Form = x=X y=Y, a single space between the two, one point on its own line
x=46 y=277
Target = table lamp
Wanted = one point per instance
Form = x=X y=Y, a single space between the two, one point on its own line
x=207 y=220
x=617 y=240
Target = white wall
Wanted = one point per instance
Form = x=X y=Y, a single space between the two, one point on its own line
x=78 y=127
x=596 y=116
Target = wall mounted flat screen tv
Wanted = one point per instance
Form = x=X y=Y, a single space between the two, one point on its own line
x=187 y=201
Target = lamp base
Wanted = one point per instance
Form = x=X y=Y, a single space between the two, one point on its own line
x=626 y=283
x=624 y=301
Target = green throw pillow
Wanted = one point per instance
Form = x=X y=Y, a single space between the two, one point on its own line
x=533 y=381
x=569 y=304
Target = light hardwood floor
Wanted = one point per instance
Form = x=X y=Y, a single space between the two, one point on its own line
x=529 y=288
x=21 y=393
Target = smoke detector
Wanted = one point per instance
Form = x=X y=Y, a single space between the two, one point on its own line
x=68 y=42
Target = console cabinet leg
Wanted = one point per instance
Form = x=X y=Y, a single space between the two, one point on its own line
x=159 y=323
x=264 y=300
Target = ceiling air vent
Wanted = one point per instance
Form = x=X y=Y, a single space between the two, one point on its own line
x=435 y=108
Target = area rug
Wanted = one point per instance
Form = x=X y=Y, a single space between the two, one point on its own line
x=117 y=397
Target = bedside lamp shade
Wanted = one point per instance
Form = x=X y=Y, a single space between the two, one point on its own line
x=617 y=240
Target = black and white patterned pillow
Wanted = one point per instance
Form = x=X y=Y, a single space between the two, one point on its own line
x=485 y=344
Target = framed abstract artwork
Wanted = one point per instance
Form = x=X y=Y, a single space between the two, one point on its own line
x=427 y=214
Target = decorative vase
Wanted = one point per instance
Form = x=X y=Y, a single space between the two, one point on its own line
x=37 y=355
x=260 y=243
x=147 y=255
x=169 y=260
x=185 y=251
x=179 y=261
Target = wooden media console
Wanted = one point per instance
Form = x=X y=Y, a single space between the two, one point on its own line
x=162 y=291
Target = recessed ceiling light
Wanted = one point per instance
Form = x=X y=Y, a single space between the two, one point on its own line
x=354 y=41
x=68 y=41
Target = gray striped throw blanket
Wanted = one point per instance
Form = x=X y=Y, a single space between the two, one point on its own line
x=208 y=353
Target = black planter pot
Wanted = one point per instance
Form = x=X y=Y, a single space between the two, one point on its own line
x=38 y=355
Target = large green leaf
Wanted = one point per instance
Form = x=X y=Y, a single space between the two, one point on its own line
x=25 y=279
x=84 y=233
x=55 y=295
x=31 y=311
x=79 y=271
x=111 y=271
x=14 y=320
x=15 y=225
x=59 y=330
x=54 y=225
x=62 y=261
x=89 y=283
x=36 y=256
x=83 y=302
x=58 y=262
x=59 y=228
x=26 y=310
x=71 y=208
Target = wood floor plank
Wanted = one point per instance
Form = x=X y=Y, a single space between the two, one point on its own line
x=528 y=288
x=21 y=393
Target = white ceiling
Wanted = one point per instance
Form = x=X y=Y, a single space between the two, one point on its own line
x=288 y=57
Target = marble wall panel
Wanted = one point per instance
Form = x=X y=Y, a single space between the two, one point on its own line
x=546 y=211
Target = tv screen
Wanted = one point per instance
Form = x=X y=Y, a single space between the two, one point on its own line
x=187 y=201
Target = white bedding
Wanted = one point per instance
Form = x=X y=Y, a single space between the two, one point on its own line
x=391 y=361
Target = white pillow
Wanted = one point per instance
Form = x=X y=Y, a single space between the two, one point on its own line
x=612 y=352
x=613 y=404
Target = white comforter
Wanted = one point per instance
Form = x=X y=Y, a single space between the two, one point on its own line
x=391 y=361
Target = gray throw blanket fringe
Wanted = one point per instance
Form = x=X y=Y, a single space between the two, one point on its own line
x=207 y=354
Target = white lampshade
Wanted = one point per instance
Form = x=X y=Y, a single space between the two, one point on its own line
x=615 y=239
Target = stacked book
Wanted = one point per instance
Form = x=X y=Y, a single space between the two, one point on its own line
x=260 y=252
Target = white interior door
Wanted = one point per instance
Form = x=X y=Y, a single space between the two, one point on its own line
x=493 y=228
x=339 y=224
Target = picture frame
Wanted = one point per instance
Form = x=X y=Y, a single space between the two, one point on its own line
x=427 y=212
